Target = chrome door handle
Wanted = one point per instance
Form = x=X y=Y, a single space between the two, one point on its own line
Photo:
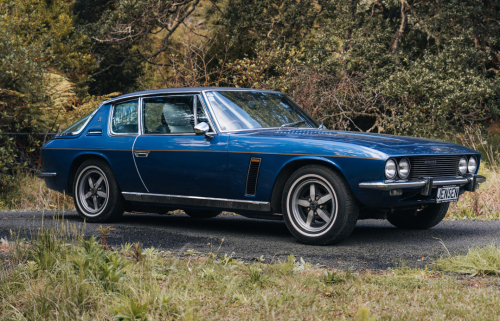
x=141 y=154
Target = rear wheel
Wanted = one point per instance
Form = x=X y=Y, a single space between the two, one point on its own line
x=319 y=207
x=201 y=213
x=419 y=220
x=96 y=193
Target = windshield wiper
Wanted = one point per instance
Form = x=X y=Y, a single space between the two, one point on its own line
x=293 y=124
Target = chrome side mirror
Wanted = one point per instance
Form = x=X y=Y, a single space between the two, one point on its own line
x=202 y=129
x=321 y=126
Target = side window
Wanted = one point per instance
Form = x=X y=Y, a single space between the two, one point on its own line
x=169 y=115
x=201 y=116
x=124 y=119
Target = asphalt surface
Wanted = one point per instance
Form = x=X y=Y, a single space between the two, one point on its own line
x=374 y=244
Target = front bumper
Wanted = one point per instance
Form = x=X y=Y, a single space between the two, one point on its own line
x=470 y=182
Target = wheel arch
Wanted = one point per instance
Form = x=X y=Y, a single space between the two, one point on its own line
x=78 y=161
x=289 y=168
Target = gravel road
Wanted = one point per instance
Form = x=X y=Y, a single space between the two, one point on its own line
x=374 y=244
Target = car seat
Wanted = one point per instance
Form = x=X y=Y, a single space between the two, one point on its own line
x=179 y=117
x=163 y=128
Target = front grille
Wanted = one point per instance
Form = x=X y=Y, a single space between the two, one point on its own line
x=434 y=166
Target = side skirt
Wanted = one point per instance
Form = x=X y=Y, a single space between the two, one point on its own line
x=180 y=200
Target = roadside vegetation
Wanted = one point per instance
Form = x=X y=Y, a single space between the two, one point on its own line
x=60 y=274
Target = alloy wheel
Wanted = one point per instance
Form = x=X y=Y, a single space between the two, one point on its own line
x=314 y=205
x=93 y=191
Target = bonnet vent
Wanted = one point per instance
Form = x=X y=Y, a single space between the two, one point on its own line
x=306 y=132
x=253 y=175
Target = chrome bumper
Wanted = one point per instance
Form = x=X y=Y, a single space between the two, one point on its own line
x=426 y=183
x=46 y=174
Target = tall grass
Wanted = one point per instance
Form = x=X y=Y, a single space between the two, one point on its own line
x=484 y=204
x=62 y=275
x=477 y=261
x=31 y=193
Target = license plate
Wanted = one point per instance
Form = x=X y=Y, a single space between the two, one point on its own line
x=447 y=194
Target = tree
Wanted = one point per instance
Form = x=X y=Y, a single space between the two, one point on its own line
x=422 y=67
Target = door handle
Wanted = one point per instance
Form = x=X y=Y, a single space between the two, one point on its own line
x=142 y=154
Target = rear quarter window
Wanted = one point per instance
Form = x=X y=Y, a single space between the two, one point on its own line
x=77 y=127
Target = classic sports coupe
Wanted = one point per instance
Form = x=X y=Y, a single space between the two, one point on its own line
x=253 y=152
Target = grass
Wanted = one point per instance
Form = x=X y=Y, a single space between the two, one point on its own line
x=60 y=274
x=484 y=204
x=30 y=193
x=477 y=261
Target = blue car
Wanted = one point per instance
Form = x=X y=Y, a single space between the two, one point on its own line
x=255 y=153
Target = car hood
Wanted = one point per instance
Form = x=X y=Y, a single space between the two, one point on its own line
x=389 y=144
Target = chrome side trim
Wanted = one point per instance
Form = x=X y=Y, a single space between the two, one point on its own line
x=198 y=201
x=420 y=183
x=46 y=174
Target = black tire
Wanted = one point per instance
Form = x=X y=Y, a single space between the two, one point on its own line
x=97 y=208
x=419 y=220
x=201 y=213
x=336 y=217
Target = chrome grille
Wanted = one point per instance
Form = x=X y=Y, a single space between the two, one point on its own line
x=434 y=166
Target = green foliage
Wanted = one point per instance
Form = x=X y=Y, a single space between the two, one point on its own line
x=332 y=277
x=421 y=68
x=49 y=24
x=130 y=310
x=477 y=261
x=256 y=275
x=38 y=40
x=20 y=93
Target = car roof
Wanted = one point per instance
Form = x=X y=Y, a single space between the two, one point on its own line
x=182 y=90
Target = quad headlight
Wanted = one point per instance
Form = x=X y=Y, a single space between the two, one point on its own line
x=472 y=165
x=404 y=168
x=390 y=169
x=462 y=165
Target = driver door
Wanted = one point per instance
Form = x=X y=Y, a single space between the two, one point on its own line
x=171 y=158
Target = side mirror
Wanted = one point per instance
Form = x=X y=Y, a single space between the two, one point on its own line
x=321 y=126
x=202 y=129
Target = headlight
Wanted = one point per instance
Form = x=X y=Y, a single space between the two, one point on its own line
x=472 y=166
x=462 y=165
x=404 y=168
x=390 y=169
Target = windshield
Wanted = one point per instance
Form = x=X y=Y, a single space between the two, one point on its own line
x=239 y=110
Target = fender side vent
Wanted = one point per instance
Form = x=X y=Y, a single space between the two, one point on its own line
x=252 y=177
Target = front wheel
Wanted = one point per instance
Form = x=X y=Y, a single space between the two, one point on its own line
x=319 y=207
x=96 y=193
x=419 y=220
